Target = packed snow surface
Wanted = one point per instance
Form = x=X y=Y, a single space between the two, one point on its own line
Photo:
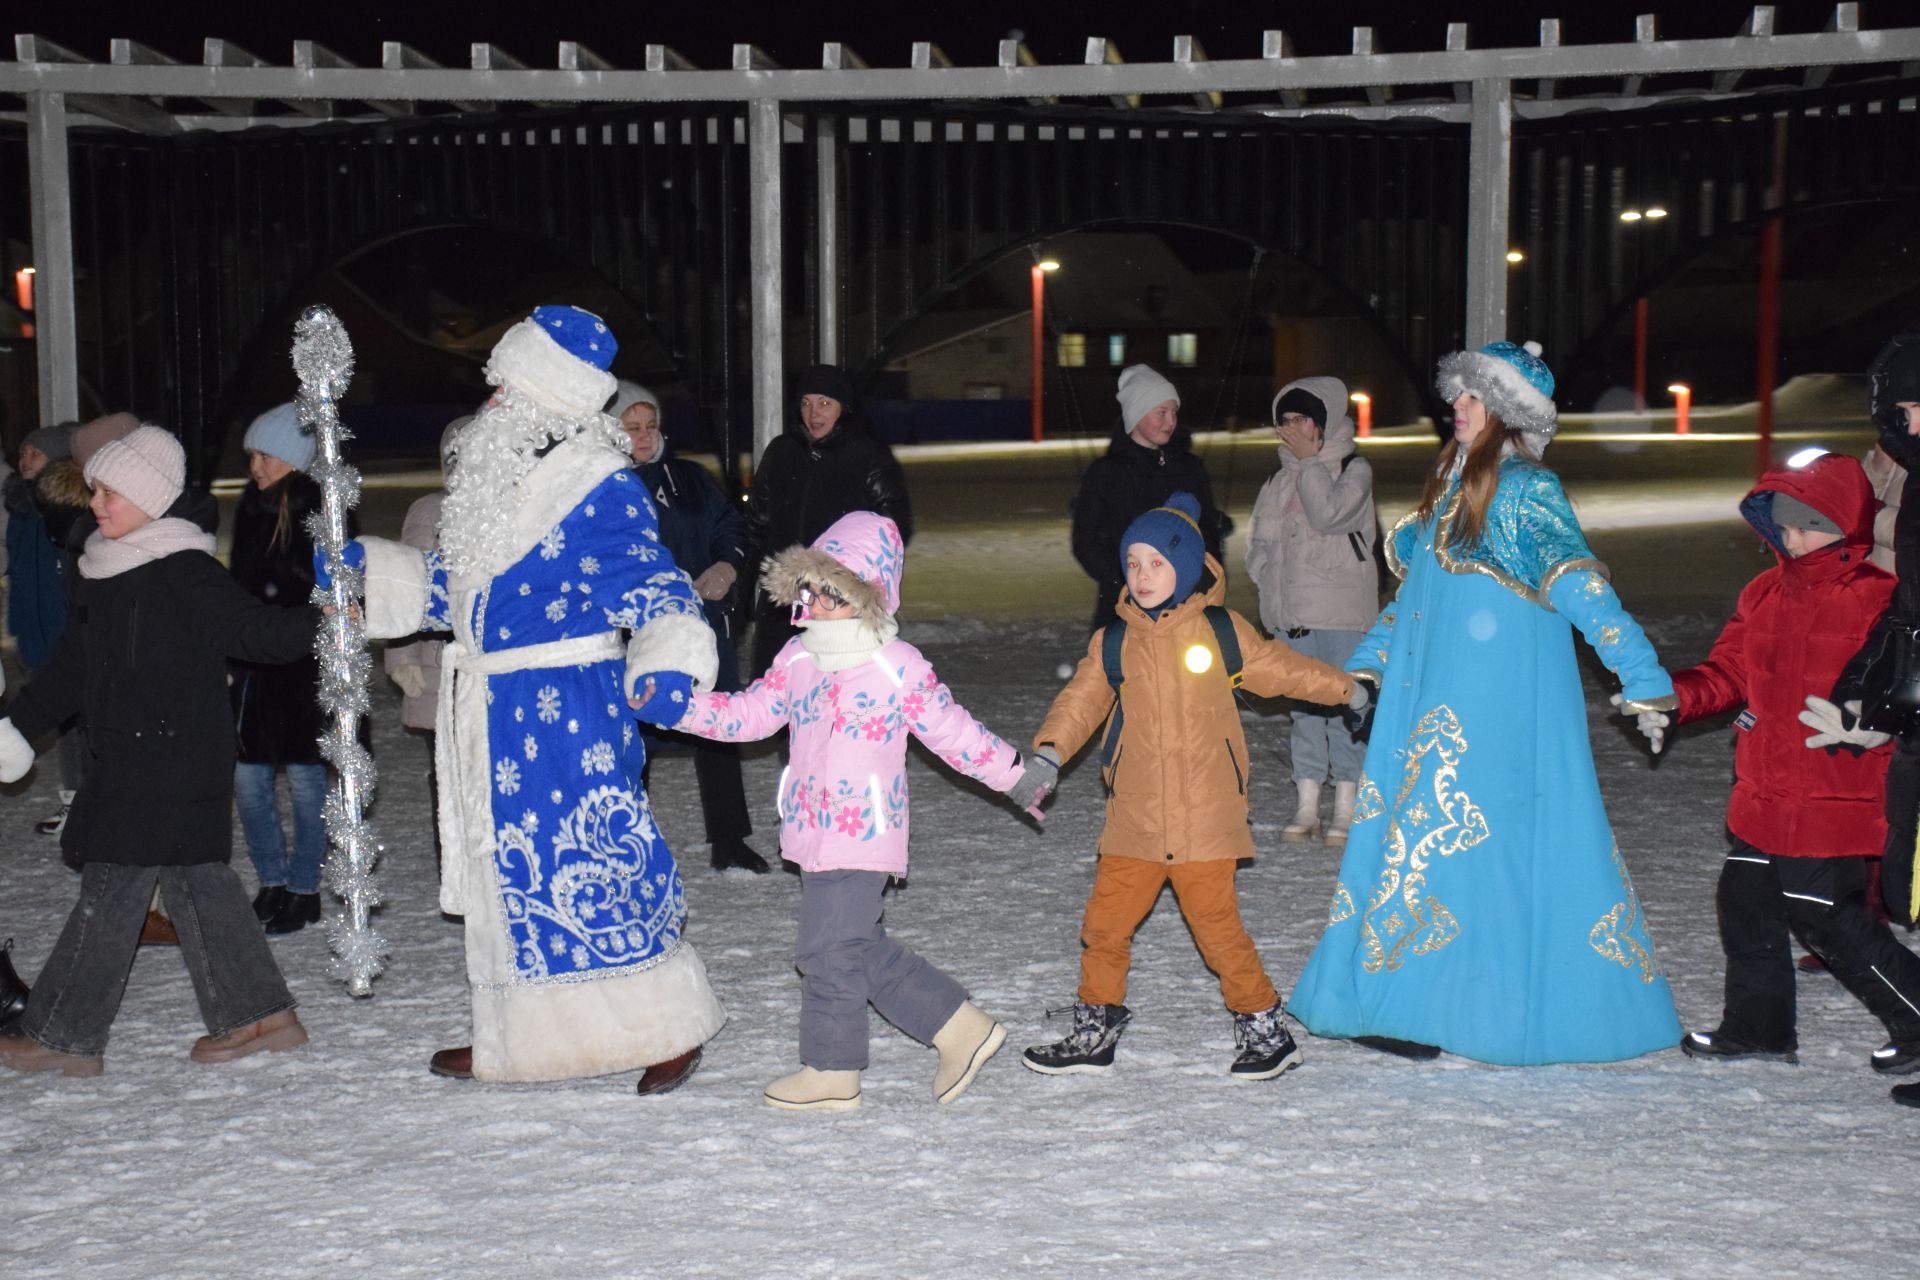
x=347 y=1157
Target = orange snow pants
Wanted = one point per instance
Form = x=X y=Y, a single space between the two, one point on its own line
x=1124 y=891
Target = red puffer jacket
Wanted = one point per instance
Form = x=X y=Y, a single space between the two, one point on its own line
x=1795 y=627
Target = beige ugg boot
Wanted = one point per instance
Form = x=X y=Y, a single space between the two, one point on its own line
x=1306 y=818
x=1343 y=793
x=965 y=1043
x=810 y=1090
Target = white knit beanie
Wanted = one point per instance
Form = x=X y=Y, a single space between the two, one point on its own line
x=629 y=395
x=1141 y=391
x=148 y=468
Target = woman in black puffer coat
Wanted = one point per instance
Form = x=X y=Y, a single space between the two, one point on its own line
x=828 y=462
x=276 y=708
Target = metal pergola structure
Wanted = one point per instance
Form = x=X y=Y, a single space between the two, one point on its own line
x=143 y=91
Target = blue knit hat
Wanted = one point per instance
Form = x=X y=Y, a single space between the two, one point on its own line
x=1512 y=381
x=1172 y=529
x=277 y=433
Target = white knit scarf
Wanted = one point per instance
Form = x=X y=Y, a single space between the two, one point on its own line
x=104 y=557
x=840 y=644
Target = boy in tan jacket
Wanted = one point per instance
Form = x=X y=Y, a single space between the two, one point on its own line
x=1174 y=763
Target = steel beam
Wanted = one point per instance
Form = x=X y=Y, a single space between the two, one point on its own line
x=1012 y=78
x=826 y=320
x=1489 y=180
x=763 y=234
x=55 y=331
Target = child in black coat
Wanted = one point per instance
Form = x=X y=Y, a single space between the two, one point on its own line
x=154 y=620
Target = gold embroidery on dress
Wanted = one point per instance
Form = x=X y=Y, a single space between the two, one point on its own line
x=1342 y=908
x=1442 y=821
x=1366 y=801
x=1612 y=936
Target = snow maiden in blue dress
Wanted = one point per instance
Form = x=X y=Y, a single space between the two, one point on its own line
x=1483 y=907
x=550 y=554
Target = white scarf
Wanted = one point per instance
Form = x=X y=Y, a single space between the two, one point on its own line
x=840 y=644
x=103 y=557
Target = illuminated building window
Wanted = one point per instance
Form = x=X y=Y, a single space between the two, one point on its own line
x=1072 y=351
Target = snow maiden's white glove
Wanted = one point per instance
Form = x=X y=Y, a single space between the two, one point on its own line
x=16 y=753
x=1651 y=724
x=1836 y=728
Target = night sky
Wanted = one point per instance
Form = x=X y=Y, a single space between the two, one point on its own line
x=967 y=30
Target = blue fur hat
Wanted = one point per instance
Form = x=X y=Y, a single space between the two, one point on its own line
x=1172 y=529
x=558 y=356
x=1512 y=381
x=277 y=433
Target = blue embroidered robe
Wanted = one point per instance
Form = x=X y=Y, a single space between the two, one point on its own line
x=550 y=848
x=1482 y=905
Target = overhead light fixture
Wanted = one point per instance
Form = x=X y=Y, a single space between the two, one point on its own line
x=1515 y=256
x=1656 y=212
x=1630 y=215
x=1047 y=264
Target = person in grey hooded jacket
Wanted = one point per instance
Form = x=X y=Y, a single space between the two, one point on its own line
x=1310 y=552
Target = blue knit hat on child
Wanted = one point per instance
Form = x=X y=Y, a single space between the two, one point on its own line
x=1172 y=529
x=277 y=434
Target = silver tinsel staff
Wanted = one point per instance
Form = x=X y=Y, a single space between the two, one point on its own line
x=323 y=357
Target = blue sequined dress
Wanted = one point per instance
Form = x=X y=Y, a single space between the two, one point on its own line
x=1482 y=904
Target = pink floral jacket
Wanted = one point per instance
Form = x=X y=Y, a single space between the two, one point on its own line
x=843 y=797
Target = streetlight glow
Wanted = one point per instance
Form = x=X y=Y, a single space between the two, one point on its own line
x=1514 y=255
x=1047 y=264
x=1656 y=212
x=1630 y=215
x=1364 y=403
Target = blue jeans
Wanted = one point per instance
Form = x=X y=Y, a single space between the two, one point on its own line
x=1322 y=743
x=260 y=819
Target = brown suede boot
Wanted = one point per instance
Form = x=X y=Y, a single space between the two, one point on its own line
x=22 y=1054
x=276 y=1033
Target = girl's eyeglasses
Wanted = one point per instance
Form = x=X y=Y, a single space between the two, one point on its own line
x=825 y=597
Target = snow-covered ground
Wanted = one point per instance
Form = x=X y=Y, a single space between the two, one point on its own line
x=346 y=1157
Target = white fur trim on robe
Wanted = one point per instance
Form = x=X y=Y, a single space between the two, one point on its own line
x=557 y=484
x=398 y=589
x=673 y=642
x=575 y=1030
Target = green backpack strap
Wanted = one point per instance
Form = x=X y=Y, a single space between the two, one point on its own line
x=1110 y=642
x=1229 y=643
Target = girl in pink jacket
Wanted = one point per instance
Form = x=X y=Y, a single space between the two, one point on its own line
x=850 y=692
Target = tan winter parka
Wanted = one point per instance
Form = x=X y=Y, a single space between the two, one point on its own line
x=1177 y=785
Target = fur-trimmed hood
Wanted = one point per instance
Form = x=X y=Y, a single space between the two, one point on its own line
x=64 y=484
x=861 y=556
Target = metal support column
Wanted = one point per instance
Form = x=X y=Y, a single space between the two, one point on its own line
x=1489 y=179
x=763 y=231
x=54 y=326
x=826 y=320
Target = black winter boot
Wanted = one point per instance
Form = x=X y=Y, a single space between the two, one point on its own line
x=267 y=902
x=738 y=853
x=1717 y=1044
x=13 y=992
x=1266 y=1046
x=296 y=912
x=1088 y=1047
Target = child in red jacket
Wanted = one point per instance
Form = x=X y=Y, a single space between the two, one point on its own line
x=1803 y=821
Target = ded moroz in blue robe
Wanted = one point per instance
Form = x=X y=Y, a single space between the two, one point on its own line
x=573 y=903
x=1482 y=904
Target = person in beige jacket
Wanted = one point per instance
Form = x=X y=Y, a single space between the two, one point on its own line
x=1175 y=769
x=1310 y=551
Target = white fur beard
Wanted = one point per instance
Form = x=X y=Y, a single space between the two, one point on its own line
x=487 y=470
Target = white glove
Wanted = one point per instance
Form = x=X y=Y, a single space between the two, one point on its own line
x=1651 y=724
x=16 y=753
x=1830 y=726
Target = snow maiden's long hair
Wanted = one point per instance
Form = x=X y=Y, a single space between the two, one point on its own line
x=487 y=466
x=1479 y=477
